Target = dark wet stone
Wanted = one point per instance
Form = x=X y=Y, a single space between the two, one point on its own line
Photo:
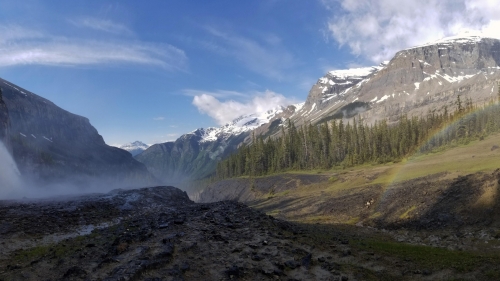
x=75 y=272
x=185 y=267
x=257 y=258
x=234 y=271
x=163 y=225
x=292 y=264
x=166 y=251
x=306 y=261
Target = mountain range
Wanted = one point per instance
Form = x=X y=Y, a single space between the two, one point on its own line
x=50 y=144
x=194 y=155
x=416 y=81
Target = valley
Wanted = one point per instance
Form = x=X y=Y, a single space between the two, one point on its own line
x=389 y=195
x=389 y=172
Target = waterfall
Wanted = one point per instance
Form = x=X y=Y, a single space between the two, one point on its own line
x=10 y=177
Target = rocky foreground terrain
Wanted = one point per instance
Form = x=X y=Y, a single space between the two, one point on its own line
x=158 y=233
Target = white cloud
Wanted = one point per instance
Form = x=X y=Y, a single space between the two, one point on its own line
x=267 y=58
x=102 y=25
x=159 y=118
x=378 y=29
x=26 y=47
x=217 y=94
x=224 y=112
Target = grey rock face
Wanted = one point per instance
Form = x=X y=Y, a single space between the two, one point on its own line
x=416 y=81
x=53 y=145
x=428 y=78
x=4 y=121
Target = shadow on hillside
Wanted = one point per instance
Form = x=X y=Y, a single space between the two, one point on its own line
x=467 y=200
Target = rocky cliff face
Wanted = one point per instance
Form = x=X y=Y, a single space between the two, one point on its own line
x=53 y=145
x=417 y=80
x=4 y=121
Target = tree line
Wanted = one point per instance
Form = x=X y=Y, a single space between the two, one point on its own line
x=346 y=144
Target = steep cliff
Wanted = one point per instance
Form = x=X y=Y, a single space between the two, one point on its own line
x=52 y=145
x=4 y=121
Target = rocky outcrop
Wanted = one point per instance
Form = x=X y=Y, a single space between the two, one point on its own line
x=52 y=145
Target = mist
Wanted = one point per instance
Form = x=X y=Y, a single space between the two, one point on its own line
x=16 y=185
x=10 y=177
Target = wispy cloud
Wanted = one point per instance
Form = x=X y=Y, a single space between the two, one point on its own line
x=217 y=94
x=27 y=47
x=225 y=111
x=377 y=29
x=159 y=118
x=165 y=138
x=268 y=58
x=102 y=25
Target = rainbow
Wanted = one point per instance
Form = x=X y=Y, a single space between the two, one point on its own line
x=397 y=172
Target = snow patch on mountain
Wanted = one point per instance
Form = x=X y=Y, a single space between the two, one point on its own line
x=467 y=37
x=135 y=147
x=239 y=125
x=338 y=83
x=353 y=73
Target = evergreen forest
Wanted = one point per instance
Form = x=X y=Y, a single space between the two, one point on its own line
x=346 y=144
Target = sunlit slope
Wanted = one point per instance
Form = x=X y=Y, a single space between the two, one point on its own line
x=456 y=185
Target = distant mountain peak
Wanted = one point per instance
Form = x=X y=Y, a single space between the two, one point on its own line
x=135 y=147
x=465 y=37
x=243 y=123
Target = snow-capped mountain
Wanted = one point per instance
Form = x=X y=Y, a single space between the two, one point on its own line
x=414 y=81
x=135 y=147
x=194 y=155
x=244 y=123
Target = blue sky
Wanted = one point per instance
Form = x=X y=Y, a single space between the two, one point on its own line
x=153 y=70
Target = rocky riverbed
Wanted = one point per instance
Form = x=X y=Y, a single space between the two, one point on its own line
x=159 y=234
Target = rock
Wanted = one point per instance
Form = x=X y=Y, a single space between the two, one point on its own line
x=166 y=251
x=306 y=261
x=75 y=272
x=185 y=267
x=257 y=258
x=234 y=271
x=292 y=264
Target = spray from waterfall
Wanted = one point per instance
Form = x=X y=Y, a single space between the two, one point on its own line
x=10 y=177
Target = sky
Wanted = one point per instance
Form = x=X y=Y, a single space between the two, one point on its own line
x=154 y=70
